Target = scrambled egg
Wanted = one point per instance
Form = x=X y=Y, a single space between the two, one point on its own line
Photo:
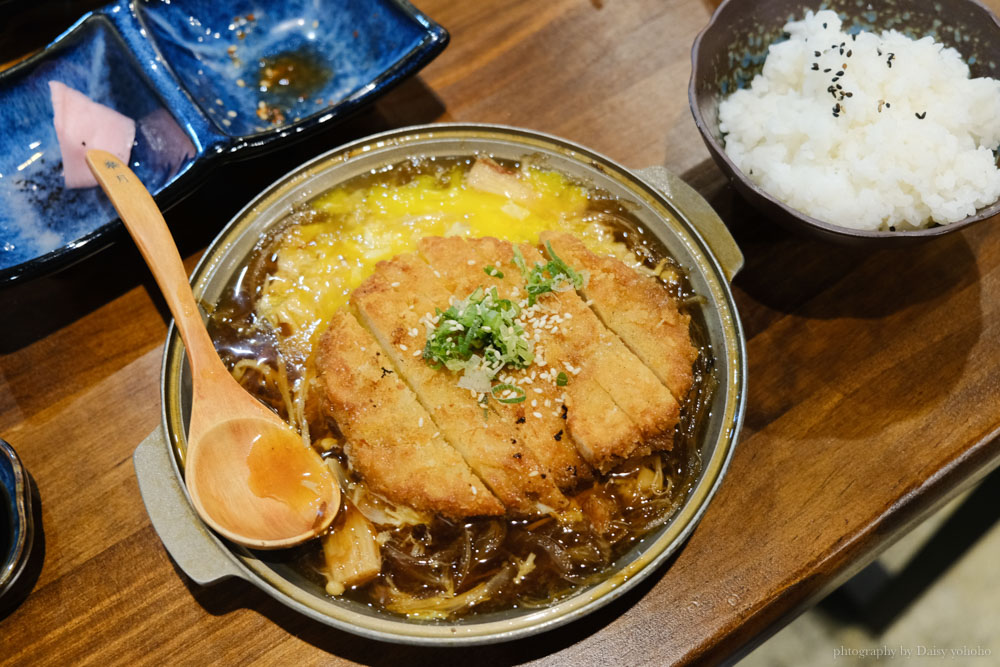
x=319 y=264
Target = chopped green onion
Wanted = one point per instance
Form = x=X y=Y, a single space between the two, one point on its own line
x=561 y=276
x=562 y=380
x=493 y=272
x=483 y=325
x=519 y=398
x=518 y=261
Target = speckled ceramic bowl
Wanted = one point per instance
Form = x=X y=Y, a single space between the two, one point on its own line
x=730 y=51
x=188 y=73
x=666 y=208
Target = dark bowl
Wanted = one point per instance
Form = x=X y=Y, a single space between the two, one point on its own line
x=16 y=520
x=731 y=49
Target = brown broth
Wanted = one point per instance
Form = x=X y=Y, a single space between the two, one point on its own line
x=427 y=560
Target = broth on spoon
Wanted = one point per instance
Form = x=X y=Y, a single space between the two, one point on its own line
x=249 y=475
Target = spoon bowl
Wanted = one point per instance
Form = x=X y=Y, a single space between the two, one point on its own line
x=251 y=478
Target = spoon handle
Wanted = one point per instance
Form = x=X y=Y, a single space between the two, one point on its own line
x=145 y=223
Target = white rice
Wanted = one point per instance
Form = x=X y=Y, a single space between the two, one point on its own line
x=894 y=147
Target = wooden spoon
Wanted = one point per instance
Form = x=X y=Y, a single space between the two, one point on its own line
x=249 y=475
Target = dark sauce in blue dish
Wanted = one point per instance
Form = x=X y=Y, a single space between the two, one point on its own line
x=196 y=72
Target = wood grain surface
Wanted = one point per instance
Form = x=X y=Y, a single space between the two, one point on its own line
x=874 y=383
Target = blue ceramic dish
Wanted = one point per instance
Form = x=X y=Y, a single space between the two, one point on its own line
x=15 y=517
x=192 y=74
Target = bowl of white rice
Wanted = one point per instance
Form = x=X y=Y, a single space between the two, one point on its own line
x=857 y=122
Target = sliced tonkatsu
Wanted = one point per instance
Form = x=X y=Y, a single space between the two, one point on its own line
x=394 y=304
x=391 y=441
x=637 y=309
x=612 y=405
x=467 y=264
x=437 y=418
x=594 y=352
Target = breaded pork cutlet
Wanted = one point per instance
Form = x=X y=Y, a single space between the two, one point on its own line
x=462 y=266
x=592 y=351
x=637 y=309
x=391 y=304
x=614 y=406
x=391 y=440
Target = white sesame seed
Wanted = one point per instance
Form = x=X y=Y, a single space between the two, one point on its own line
x=436 y=434
x=538 y=415
x=472 y=262
x=534 y=403
x=538 y=390
x=533 y=473
x=403 y=347
x=548 y=403
x=474 y=490
x=417 y=353
x=396 y=284
x=420 y=423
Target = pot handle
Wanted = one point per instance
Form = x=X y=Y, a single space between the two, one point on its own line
x=191 y=545
x=700 y=214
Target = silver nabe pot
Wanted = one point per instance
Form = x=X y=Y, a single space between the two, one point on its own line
x=665 y=206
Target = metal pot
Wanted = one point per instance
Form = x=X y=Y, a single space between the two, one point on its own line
x=667 y=208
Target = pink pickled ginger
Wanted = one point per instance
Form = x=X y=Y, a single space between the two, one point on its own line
x=83 y=124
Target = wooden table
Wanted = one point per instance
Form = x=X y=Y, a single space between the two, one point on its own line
x=874 y=386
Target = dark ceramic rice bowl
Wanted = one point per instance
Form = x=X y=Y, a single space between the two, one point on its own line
x=731 y=49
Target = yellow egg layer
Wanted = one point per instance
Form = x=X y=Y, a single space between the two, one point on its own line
x=319 y=264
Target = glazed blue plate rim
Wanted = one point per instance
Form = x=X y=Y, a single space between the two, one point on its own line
x=435 y=39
